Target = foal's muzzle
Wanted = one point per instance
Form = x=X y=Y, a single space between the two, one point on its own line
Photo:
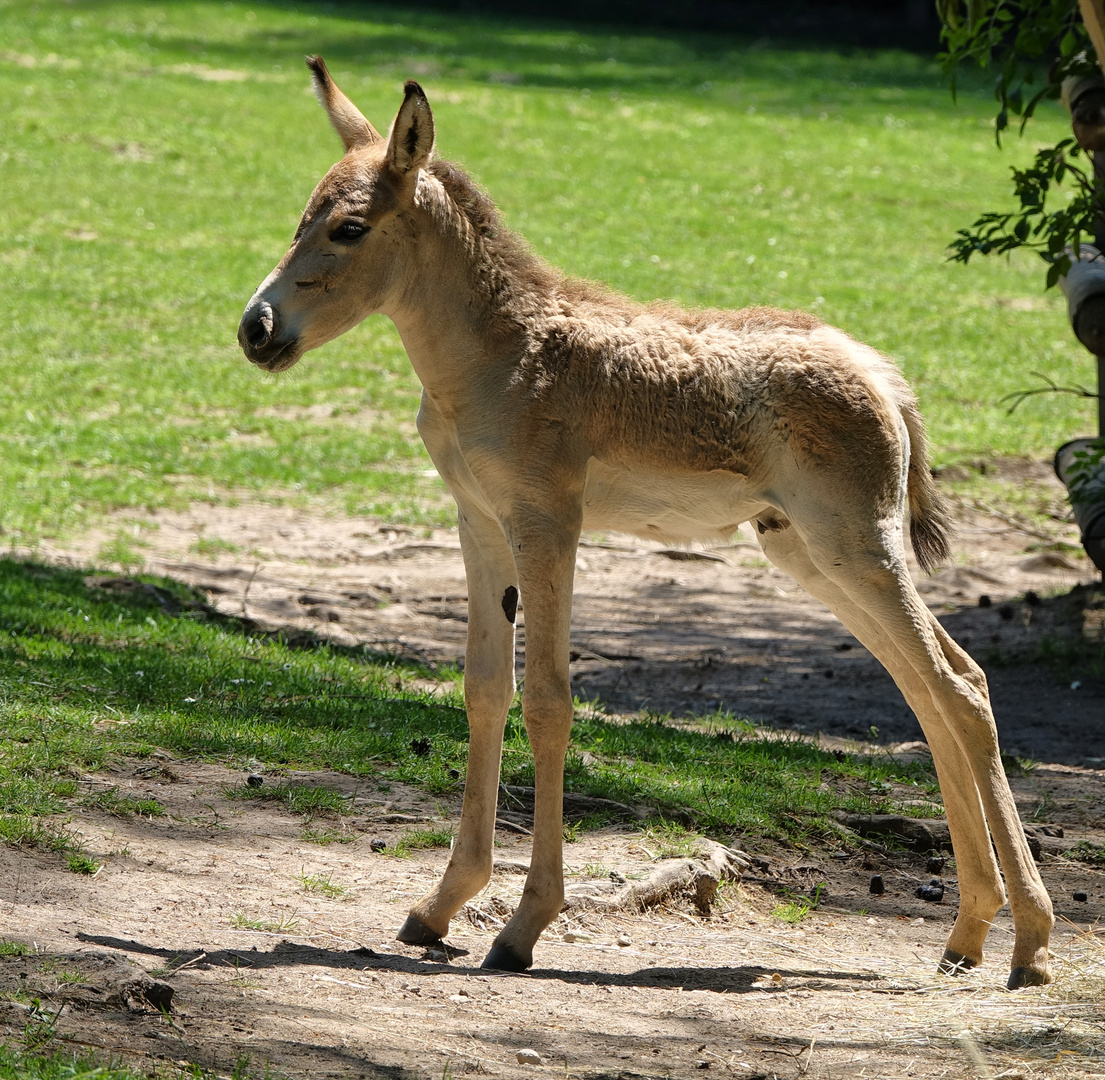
x=259 y=334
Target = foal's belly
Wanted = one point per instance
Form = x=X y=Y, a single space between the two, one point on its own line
x=674 y=507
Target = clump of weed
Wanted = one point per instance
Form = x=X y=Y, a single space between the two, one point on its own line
x=670 y=840
x=80 y=863
x=285 y=924
x=298 y=798
x=213 y=546
x=1087 y=852
x=326 y=835
x=420 y=840
x=796 y=907
x=320 y=885
x=112 y=802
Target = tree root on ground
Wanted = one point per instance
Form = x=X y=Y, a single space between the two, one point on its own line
x=698 y=878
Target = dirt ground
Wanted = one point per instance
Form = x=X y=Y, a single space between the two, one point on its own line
x=220 y=899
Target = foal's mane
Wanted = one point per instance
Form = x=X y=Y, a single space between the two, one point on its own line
x=511 y=268
x=516 y=279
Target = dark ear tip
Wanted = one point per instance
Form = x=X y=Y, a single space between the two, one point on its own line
x=316 y=64
x=410 y=87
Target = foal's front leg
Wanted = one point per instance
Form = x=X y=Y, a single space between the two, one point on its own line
x=488 y=690
x=544 y=544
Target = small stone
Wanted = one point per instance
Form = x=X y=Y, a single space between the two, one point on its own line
x=253 y=780
x=529 y=1057
x=935 y=865
x=568 y=936
x=931 y=893
x=624 y=940
x=1081 y=897
x=460 y=999
x=377 y=844
x=877 y=886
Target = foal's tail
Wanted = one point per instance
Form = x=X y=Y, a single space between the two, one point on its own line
x=929 y=521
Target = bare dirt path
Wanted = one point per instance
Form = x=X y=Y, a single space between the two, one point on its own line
x=220 y=899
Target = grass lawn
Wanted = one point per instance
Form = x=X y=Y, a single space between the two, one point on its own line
x=87 y=672
x=156 y=156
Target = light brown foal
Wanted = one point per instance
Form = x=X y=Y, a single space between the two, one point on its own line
x=552 y=405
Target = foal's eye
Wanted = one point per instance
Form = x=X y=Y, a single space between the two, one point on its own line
x=348 y=232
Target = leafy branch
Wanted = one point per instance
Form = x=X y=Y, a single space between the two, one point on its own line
x=1033 y=45
x=1052 y=387
x=1020 y=39
x=1051 y=233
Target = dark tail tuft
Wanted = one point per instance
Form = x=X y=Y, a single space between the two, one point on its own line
x=929 y=520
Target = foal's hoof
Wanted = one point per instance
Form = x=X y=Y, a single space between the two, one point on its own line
x=416 y=932
x=955 y=963
x=504 y=958
x=1026 y=976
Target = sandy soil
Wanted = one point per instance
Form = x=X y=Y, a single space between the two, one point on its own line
x=213 y=898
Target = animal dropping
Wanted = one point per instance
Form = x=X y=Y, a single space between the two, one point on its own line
x=552 y=405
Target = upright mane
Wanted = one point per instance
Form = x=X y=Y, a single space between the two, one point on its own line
x=506 y=261
x=512 y=271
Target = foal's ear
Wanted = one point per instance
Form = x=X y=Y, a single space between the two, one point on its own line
x=412 y=135
x=347 y=119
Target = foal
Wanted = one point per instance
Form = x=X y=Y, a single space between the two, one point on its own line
x=552 y=405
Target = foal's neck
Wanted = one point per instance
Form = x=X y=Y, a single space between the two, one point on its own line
x=474 y=291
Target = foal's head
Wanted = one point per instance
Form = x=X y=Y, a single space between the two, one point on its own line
x=342 y=264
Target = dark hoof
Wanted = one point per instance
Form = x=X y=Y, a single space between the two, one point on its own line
x=416 y=932
x=954 y=963
x=504 y=958
x=1026 y=976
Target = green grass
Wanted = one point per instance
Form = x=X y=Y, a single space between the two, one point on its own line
x=298 y=798
x=124 y=806
x=87 y=674
x=420 y=840
x=156 y=157
x=322 y=885
x=1088 y=852
x=285 y=924
x=796 y=907
x=49 y=1062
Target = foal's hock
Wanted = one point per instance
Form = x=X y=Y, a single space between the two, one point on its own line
x=552 y=405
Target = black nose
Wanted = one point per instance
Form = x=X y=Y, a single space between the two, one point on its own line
x=257 y=326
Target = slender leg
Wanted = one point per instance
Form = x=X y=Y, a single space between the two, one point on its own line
x=488 y=690
x=874 y=597
x=544 y=551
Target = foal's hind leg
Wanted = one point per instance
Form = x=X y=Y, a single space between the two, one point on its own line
x=871 y=593
x=488 y=689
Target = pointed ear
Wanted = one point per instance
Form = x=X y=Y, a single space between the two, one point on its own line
x=412 y=135
x=347 y=119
